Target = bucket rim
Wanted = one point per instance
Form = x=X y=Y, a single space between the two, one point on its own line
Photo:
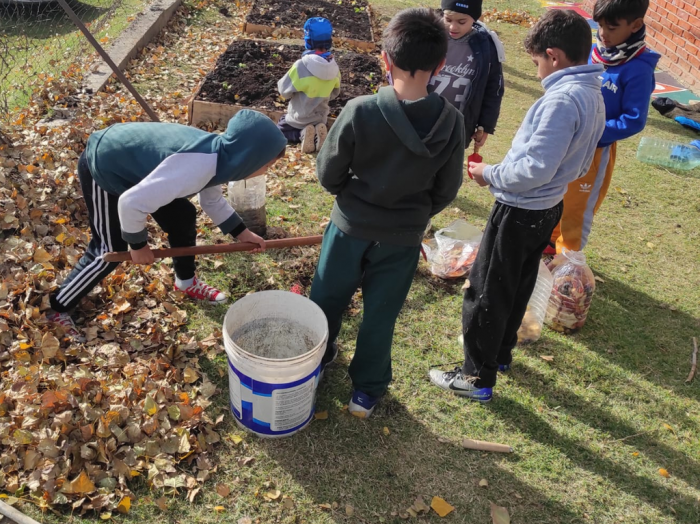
x=304 y=356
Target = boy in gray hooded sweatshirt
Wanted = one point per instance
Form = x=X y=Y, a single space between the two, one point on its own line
x=310 y=84
x=554 y=146
x=393 y=160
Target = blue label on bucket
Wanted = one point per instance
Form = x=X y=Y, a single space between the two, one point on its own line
x=272 y=409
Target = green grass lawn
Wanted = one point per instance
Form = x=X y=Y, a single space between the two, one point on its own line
x=42 y=39
x=591 y=428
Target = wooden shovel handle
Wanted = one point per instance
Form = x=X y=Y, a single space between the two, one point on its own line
x=125 y=256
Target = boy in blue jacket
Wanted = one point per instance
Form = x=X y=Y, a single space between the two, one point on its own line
x=628 y=82
x=554 y=145
x=129 y=171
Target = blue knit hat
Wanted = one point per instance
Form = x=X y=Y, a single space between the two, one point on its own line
x=318 y=33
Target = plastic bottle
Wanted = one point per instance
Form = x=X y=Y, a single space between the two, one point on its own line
x=247 y=197
x=531 y=327
x=572 y=292
x=668 y=153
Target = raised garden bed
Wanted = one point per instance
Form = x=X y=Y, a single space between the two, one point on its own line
x=246 y=76
x=350 y=18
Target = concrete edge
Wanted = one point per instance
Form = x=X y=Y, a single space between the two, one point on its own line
x=135 y=37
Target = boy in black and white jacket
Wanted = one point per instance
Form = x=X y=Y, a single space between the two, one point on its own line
x=472 y=79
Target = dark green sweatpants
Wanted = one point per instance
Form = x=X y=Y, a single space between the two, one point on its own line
x=385 y=272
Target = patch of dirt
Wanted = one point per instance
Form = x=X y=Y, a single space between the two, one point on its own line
x=349 y=17
x=248 y=72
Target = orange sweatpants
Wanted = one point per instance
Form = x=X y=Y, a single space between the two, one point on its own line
x=583 y=199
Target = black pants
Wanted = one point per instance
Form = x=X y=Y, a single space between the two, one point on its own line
x=501 y=282
x=177 y=219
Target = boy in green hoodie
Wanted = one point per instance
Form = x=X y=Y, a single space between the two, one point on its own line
x=393 y=160
x=129 y=171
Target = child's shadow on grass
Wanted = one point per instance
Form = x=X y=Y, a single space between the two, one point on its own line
x=662 y=496
x=381 y=465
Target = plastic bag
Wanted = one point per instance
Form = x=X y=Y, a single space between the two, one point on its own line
x=531 y=326
x=452 y=252
x=572 y=292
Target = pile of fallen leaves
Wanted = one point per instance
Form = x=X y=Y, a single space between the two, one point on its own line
x=521 y=18
x=80 y=421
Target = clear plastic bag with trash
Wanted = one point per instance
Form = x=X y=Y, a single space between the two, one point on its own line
x=531 y=326
x=247 y=197
x=572 y=292
x=451 y=253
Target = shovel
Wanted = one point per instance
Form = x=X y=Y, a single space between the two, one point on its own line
x=125 y=256
x=475 y=156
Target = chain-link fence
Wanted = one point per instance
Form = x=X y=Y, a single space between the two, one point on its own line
x=38 y=41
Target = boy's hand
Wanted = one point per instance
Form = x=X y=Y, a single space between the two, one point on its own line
x=477 y=171
x=249 y=236
x=142 y=256
x=479 y=138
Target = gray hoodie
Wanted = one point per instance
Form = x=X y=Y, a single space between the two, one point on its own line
x=310 y=83
x=555 y=143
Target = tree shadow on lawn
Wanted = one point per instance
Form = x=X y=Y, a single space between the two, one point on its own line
x=639 y=333
x=670 y=502
x=352 y=461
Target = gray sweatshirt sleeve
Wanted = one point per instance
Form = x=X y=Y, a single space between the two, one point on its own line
x=546 y=148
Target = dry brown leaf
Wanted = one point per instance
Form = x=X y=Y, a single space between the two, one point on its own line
x=664 y=473
x=499 y=514
x=548 y=358
x=80 y=484
x=321 y=415
x=483 y=483
x=349 y=510
x=124 y=505
x=161 y=503
x=223 y=490
x=386 y=431
x=272 y=495
x=441 y=506
x=288 y=503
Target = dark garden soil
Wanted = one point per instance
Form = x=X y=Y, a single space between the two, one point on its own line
x=349 y=17
x=248 y=71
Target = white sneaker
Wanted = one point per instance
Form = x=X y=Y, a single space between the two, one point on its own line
x=460 y=384
x=308 y=139
x=321 y=134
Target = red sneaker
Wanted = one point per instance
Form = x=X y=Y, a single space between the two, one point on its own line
x=296 y=288
x=198 y=290
x=66 y=324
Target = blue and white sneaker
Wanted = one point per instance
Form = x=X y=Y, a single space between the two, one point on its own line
x=460 y=384
x=361 y=405
x=334 y=346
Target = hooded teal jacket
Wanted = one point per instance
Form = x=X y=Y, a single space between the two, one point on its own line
x=150 y=164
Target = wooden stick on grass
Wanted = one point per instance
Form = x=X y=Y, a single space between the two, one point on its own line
x=693 y=362
x=480 y=445
x=125 y=256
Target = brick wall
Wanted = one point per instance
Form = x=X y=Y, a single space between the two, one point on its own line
x=673 y=29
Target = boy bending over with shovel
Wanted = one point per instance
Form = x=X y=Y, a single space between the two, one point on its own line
x=129 y=171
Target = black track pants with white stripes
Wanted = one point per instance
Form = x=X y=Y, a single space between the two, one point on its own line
x=177 y=219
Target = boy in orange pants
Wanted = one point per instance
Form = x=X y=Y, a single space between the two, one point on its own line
x=628 y=82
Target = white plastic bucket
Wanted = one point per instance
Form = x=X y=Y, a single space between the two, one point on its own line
x=274 y=397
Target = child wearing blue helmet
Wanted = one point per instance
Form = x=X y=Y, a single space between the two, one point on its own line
x=310 y=84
